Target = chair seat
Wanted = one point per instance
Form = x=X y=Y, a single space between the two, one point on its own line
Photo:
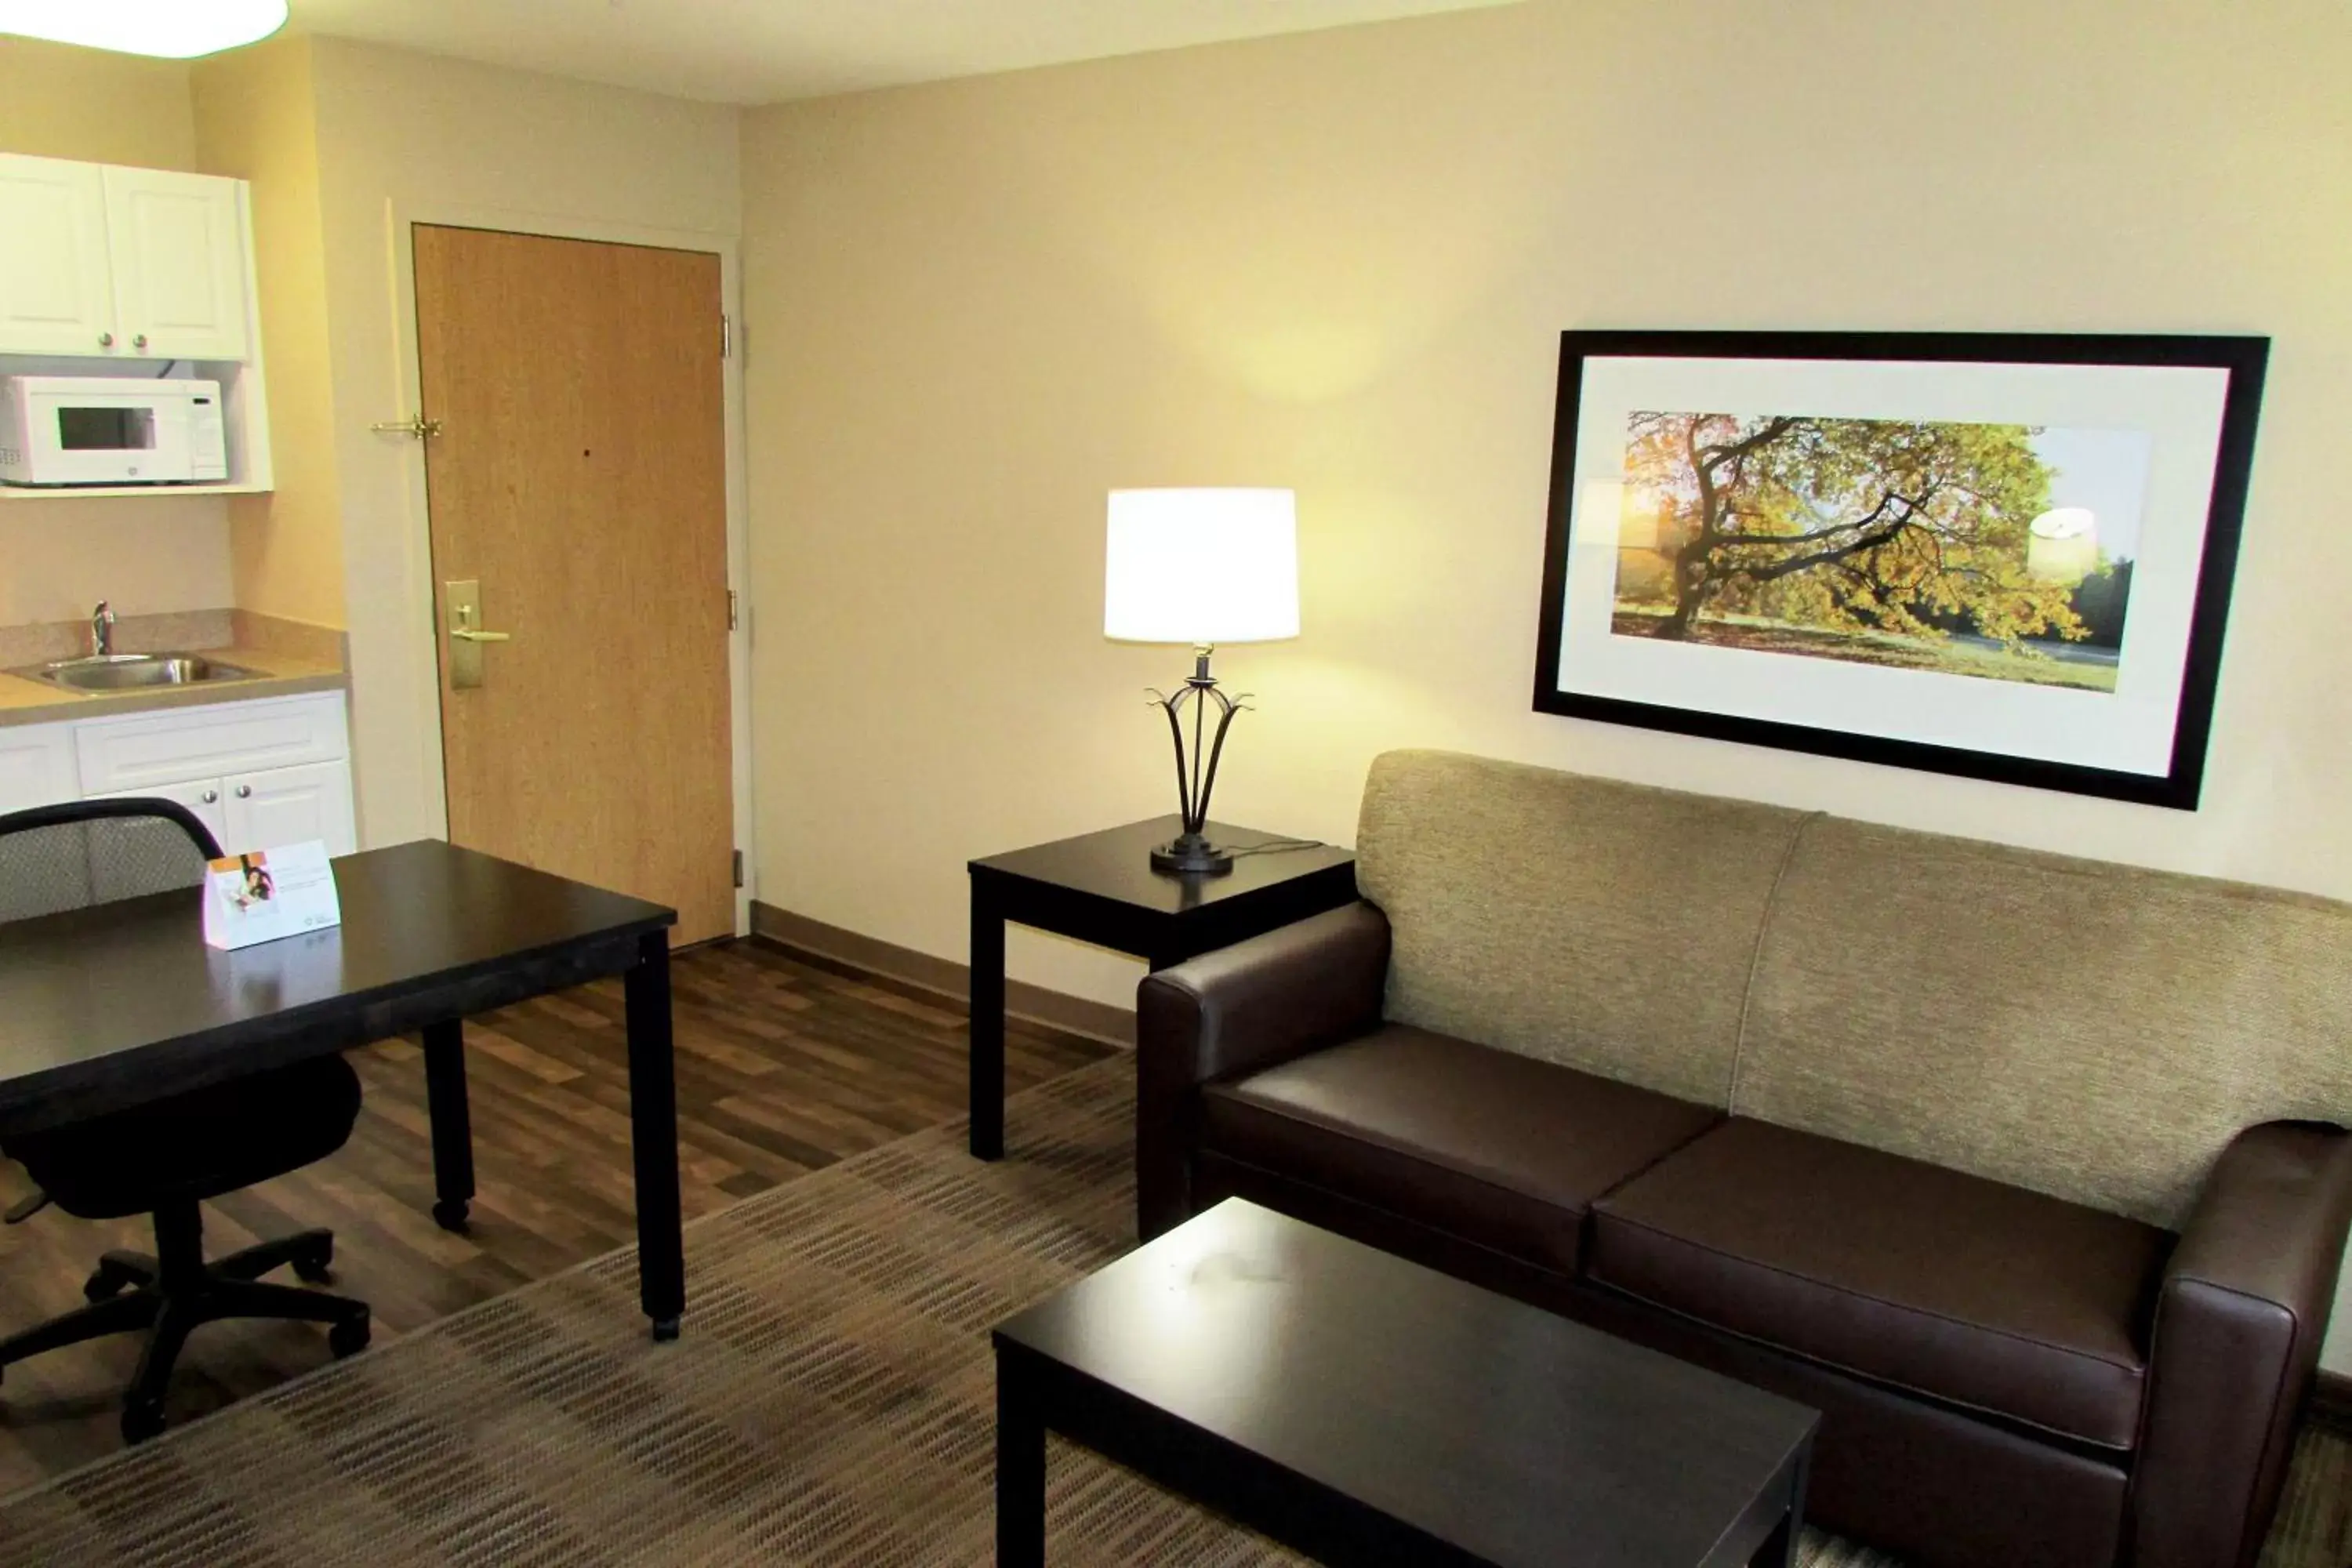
x=1494 y=1147
x=196 y=1145
x=1904 y=1274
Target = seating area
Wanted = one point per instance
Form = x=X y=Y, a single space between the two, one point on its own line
x=1780 y=1140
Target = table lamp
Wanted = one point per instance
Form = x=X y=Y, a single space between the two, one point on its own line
x=1203 y=567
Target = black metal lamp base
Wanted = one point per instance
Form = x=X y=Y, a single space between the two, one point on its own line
x=1189 y=853
x=1192 y=855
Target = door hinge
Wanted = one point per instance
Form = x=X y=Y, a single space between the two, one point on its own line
x=417 y=430
x=730 y=609
x=739 y=868
x=726 y=336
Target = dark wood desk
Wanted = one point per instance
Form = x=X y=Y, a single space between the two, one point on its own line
x=1100 y=888
x=1363 y=1409
x=119 y=1004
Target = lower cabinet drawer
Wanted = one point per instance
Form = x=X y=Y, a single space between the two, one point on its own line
x=141 y=750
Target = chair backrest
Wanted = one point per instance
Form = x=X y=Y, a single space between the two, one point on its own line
x=86 y=852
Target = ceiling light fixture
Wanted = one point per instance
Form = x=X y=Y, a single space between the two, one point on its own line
x=172 y=29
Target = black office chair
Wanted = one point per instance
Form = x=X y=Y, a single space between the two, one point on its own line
x=166 y=1157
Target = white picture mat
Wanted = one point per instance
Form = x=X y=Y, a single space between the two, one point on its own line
x=2129 y=730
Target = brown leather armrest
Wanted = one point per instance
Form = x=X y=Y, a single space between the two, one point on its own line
x=1233 y=1011
x=2243 y=1307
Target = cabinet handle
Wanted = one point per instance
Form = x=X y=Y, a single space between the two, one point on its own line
x=211 y=796
x=245 y=792
x=106 y=340
x=140 y=341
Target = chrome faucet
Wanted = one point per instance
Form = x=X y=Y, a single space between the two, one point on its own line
x=101 y=630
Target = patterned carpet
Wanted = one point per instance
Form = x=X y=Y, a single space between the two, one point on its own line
x=831 y=1403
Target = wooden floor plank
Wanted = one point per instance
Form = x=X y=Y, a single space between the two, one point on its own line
x=782 y=1067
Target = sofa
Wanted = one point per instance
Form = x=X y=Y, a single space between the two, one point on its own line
x=2028 y=1173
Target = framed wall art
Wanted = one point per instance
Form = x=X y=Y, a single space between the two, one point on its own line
x=1999 y=555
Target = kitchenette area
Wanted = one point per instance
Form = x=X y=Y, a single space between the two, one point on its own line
x=248 y=731
x=132 y=385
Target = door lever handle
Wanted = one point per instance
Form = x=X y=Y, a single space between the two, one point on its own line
x=464 y=600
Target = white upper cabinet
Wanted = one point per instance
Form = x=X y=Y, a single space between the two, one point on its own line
x=177 y=244
x=56 y=290
x=97 y=260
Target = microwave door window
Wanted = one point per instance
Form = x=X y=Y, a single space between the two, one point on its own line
x=101 y=430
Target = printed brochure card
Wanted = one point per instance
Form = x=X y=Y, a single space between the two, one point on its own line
x=269 y=893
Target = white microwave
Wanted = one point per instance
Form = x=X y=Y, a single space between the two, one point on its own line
x=70 y=430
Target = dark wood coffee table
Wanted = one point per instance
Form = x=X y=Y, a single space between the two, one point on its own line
x=1363 y=1409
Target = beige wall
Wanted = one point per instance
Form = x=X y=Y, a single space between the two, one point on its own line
x=256 y=118
x=151 y=554
x=144 y=555
x=57 y=101
x=1341 y=262
x=441 y=139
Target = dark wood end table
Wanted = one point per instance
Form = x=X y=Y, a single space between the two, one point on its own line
x=1100 y=888
x=1363 y=1409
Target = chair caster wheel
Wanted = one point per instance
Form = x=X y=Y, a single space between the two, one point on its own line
x=348 y=1338
x=105 y=1283
x=142 y=1421
x=314 y=1267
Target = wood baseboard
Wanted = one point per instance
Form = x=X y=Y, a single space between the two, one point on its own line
x=941 y=977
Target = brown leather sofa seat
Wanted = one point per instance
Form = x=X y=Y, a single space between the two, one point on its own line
x=1928 y=1280
x=1494 y=1147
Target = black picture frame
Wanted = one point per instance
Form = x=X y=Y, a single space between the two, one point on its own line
x=2243 y=358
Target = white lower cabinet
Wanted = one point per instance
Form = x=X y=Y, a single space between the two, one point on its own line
x=261 y=773
x=290 y=805
x=203 y=798
x=37 y=766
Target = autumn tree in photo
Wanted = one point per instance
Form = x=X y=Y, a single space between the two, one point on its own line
x=1845 y=525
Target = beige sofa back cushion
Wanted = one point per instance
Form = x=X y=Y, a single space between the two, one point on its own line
x=1602 y=925
x=2088 y=1030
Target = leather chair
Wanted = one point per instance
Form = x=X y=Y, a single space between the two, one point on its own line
x=165 y=1158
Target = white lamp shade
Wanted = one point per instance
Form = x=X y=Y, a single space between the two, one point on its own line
x=1201 y=566
x=174 y=29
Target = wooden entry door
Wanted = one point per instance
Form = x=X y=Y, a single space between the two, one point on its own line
x=579 y=476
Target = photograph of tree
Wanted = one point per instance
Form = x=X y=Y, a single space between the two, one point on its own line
x=1999 y=555
x=2003 y=552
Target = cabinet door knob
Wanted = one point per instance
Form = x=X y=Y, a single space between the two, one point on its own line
x=140 y=341
x=211 y=796
x=106 y=340
x=245 y=792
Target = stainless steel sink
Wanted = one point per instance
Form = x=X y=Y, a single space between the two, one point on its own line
x=124 y=671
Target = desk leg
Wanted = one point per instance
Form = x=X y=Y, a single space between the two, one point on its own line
x=652 y=1136
x=453 y=1125
x=1781 y=1548
x=987 y=1027
x=1020 y=1475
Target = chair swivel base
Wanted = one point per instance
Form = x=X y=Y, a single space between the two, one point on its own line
x=130 y=1292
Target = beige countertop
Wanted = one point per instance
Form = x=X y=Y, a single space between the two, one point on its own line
x=28 y=701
